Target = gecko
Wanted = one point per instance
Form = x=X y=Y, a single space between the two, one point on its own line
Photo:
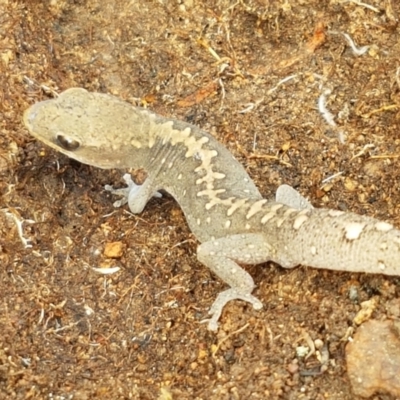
x=225 y=211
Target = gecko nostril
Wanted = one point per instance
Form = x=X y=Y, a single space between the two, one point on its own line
x=67 y=143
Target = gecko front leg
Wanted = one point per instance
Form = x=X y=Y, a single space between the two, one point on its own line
x=222 y=255
x=135 y=195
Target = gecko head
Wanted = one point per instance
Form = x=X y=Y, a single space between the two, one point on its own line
x=79 y=124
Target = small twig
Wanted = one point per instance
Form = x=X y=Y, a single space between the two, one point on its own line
x=363 y=151
x=310 y=343
x=359 y=3
x=106 y=271
x=63 y=328
x=267 y=157
x=398 y=76
x=10 y=212
x=342 y=136
x=384 y=156
x=169 y=290
x=358 y=51
x=326 y=114
x=176 y=245
x=45 y=88
x=330 y=178
x=223 y=93
x=204 y=43
x=251 y=106
x=384 y=108
x=41 y=317
x=288 y=78
x=254 y=141
x=214 y=352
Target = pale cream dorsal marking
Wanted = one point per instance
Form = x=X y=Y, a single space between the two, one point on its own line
x=353 y=230
x=255 y=208
x=313 y=250
x=136 y=143
x=280 y=222
x=237 y=204
x=299 y=221
x=383 y=226
x=306 y=211
x=267 y=217
x=276 y=207
x=285 y=216
x=289 y=212
x=335 y=213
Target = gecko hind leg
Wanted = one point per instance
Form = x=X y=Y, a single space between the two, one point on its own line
x=222 y=257
x=291 y=197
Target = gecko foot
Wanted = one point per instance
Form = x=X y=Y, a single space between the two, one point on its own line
x=223 y=298
x=129 y=193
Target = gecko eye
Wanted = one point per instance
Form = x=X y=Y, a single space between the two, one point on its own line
x=66 y=143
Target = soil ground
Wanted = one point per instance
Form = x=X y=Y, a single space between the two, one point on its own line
x=251 y=73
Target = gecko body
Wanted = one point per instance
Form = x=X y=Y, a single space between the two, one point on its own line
x=224 y=209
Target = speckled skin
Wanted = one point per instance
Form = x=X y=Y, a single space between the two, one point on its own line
x=223 y=207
